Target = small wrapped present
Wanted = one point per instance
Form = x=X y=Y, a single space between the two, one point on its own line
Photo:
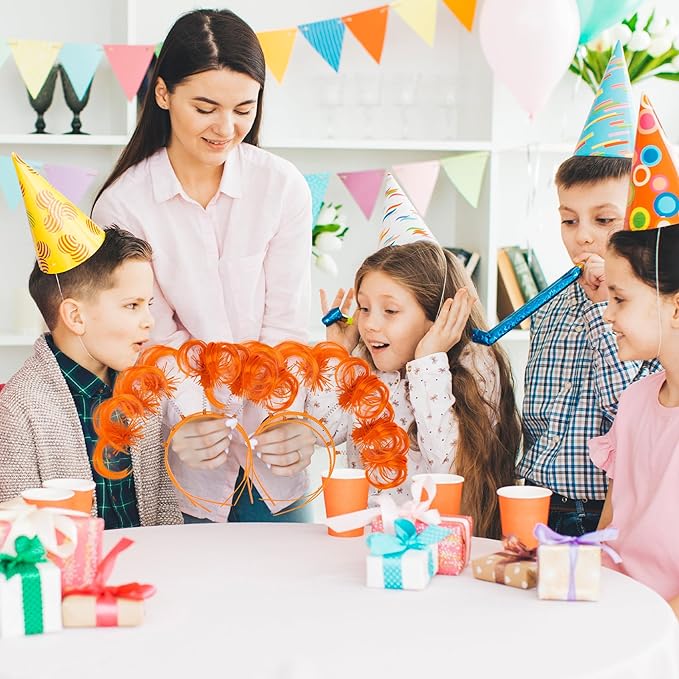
x=30 y=590
x=102 y=605
x=405 y=560
x=569 y=567
x=515 y=565
x=454 y=550
x=72 y=540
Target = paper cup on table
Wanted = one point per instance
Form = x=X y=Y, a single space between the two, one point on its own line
x=49 y=497
x=448 y=498
x=345 y=491
x=82 y=489
x=521 y=508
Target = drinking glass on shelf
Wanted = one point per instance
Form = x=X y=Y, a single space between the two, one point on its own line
x=407 y=95
x=446 y=88
x=330 y=91
x=43 y=100
x=369 y=91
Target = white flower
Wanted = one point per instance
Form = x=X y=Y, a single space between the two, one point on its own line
x=620 y=32
x=675 y=63
x=675 y=44
x=600 y=43
x=326 y=215
x=328 y=242
x=326 y=264
x=658 y=24
x=341 y=220
x=639 y=41
x=659 y=45
x=644 y=14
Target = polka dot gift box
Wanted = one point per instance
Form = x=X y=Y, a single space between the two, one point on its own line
x=514 y=566
x=653 y=199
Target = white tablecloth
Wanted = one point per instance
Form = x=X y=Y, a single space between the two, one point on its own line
x=286 y=601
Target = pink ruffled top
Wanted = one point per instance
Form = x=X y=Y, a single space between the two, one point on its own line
x=641 y=454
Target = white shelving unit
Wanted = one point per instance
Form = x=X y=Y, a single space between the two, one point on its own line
x=419 y=104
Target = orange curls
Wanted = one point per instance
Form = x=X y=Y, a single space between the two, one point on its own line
x=153 y=354
x=359 y=390
x=266 y=378
x=148 y=384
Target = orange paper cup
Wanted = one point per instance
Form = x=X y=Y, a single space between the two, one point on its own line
x=521 y=508
x=82 y=489
x=49 y=497
x=448 y=496
x=345 y=491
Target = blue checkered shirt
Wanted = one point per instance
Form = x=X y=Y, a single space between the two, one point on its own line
x=573 y=381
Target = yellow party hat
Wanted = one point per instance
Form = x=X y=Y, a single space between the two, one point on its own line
x=62 y=234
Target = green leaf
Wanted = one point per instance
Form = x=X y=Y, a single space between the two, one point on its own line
x=668 y=76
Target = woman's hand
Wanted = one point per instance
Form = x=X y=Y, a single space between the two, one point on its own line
x=286 y=448
x=447 y=329
x=203 y=444
x=342 y=333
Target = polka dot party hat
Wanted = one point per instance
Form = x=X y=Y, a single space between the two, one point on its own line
x=609 y=130
x=653 y=199
x=401 y=222
x=63 y=235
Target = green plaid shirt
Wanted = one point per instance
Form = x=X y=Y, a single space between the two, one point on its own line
x=116 y=500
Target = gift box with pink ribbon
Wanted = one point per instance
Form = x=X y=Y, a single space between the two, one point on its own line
x=72 y=540
x=515 y=565
x=569 y=567
x=453 y=550
x=102 y=605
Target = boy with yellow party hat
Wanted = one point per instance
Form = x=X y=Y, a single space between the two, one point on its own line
x=640 y=454
x=573 y=375
x=93 y=288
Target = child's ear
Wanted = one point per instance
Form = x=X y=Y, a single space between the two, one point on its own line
x=71 y=315
x=162 y=94
x=675 y=310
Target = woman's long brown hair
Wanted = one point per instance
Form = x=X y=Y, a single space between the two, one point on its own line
x=486 y=453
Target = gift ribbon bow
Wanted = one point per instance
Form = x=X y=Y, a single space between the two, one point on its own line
x=44 y=523
x=546 y=536
x=29 y=552
x=513 y=551
x=405 y=537
x=413 y=510
x=107 y=595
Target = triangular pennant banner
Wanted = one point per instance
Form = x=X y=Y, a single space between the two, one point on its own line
x=464 y=10
x=9 y=184
x=420 y=15
x=326 y=37
x=34 y=59
x=318 y=183
x=80 y=61
x=277 y=48
x=130 y=63
x=72 y=181
x=466 y=172
x=418 y=181
x=369 y=28
x=159 y=47
x=364 y=187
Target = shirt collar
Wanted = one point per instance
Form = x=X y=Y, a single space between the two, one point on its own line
x=166 y=185
x=80 y=380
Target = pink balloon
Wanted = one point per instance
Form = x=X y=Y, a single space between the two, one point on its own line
x=529 y=44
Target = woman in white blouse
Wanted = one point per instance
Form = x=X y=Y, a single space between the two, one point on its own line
x=229 y=225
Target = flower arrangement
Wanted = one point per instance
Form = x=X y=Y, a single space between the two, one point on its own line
x=650 y=43
x=327 y=236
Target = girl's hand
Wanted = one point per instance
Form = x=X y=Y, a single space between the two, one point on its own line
x=344 y=334
x=593 y=279
x=447 y=329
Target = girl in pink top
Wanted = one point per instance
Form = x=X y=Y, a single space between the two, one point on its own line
x=229 y=226
x=641 y=451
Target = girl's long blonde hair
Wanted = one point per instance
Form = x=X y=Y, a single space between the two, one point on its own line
x=486 y=453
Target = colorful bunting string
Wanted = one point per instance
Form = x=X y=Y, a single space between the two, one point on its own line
x=369 y=28
x=80 y=61
x=327 y=38
x=130 y=63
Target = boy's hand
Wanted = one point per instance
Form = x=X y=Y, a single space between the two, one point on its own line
x=593 y=279
x=344 y=334
x=446 y=331
x=203 y=444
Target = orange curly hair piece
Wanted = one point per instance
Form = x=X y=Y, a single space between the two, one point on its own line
x=270 y=378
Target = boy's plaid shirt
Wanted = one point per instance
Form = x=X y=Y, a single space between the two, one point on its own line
x=573 y=381
x=116 y=499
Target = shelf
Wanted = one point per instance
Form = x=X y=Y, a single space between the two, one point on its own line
x=64 y=139
x=378 y=144
x=17 y=340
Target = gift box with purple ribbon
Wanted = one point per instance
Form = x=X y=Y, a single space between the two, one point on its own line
x=569 y=567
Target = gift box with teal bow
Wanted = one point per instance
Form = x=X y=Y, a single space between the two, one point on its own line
x=405 y=560
x=30 y=591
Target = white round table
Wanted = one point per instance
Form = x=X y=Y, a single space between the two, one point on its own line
x=286 y=601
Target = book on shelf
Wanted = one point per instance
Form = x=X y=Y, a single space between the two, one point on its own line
x=535 y=268
x=509 y=295
x=469 y=259
x=523 y=274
